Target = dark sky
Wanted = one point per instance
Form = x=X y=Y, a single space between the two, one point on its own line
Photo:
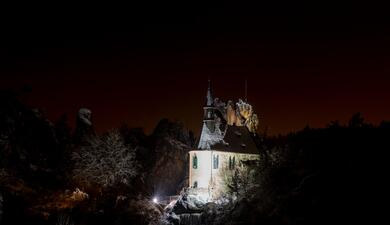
x=138 y=64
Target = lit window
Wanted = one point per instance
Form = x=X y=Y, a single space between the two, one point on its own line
x=232 y=162
x=209 y=114
x=194 y=162
x=215 y=161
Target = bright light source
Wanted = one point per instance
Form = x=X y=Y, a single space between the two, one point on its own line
x=155 y=200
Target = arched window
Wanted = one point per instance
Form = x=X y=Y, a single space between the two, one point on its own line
x=215 y=161
x=232 y=162
x=194 y=162
x=209 y=114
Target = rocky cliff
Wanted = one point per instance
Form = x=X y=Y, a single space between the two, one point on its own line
x=169 y=170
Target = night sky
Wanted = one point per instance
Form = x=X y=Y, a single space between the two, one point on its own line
x=141 y=63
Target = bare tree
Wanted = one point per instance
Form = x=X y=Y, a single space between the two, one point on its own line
x=240 y=181
x=105 y=162
x=64 y=219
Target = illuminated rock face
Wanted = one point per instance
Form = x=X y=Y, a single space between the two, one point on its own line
x=226 y=140
x=231 y=114
x=249 y=119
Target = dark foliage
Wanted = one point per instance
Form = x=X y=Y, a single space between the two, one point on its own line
x=319 y=176
x=36 y=184
x=314 y=176
x=29 y=145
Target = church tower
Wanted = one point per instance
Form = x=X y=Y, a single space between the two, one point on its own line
x=209 y=110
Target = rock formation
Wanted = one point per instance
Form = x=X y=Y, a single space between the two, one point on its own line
x=249 y=119
x=169 y=171
x=84 y=127
x=231 y=113
x=240 y=114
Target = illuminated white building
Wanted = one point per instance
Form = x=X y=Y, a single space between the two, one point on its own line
x=226 y=141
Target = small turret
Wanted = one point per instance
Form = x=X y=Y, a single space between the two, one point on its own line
x=209 y=110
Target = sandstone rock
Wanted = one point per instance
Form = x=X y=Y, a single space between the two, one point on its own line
x=169 y=170
x=84 y=127
x=188 y=204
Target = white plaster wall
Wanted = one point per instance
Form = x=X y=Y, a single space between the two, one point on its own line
x=218 y=176
x=202 y=174
x=205 y=174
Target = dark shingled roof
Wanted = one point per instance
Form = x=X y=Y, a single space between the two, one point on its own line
x=238 y=139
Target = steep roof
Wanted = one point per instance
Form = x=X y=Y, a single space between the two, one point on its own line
x=237 y=139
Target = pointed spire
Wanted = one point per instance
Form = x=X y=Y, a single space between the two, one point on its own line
x=210 y=100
